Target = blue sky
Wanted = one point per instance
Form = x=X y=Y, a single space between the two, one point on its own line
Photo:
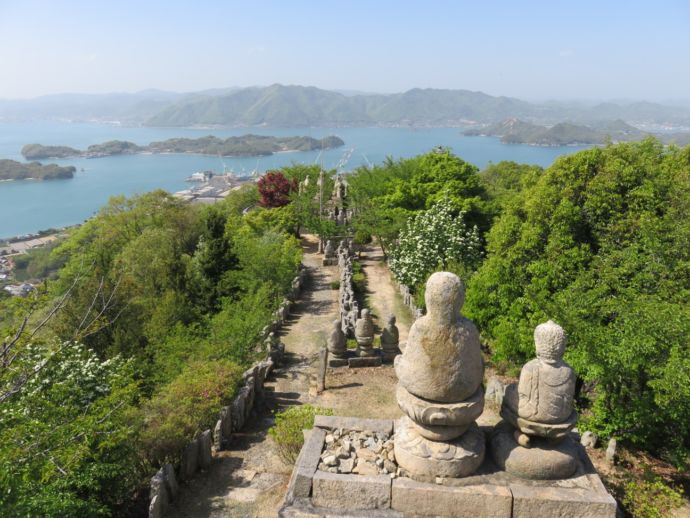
x=532 y=50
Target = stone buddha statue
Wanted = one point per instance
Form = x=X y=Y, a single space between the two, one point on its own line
x=336 y=342
x=364 y=334
x=440 y=387
x=390 y=339
x=542 y=403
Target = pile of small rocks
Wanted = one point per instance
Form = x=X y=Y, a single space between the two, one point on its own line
x=363 y=453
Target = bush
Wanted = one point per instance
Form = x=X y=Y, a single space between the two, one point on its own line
x=651 y=498
x=335 y=285
x=432 y=240
x=359 y=280
x=187 y=406
x=287 y=432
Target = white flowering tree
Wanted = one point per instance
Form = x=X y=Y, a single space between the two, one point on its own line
x=432 y=239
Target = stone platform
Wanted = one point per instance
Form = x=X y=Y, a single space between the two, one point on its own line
x=490 y=492
x=353 y=361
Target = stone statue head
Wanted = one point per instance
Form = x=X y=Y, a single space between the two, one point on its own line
x=390 y=321
x=337 y=324
x=549 y=340
x=444 y=296
x=365 y=314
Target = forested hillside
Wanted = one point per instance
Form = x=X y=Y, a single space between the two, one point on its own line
x=113 y=367
x=597 y=242
x=143 y=333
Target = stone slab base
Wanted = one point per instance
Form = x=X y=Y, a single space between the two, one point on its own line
x=486 y=501
x=491 y=492
x=338 y=362
x=354 y=361
x=389 y=356
x=330 y=261
x=364 y=361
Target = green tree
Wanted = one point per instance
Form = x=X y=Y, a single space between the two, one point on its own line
x=599 y=244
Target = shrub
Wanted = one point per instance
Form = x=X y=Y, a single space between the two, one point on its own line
x=287 y=432
x=335 y=285
x=651 y=498
x=359 y=280
x=433 y=239
x=186 y=406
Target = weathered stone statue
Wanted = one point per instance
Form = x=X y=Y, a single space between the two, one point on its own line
x=329 y=254
x=364 y=334
x=542 y=403
x=390 y=338
x=336 y=342
x=534 y=442
x=440 y=374
x=329 y=251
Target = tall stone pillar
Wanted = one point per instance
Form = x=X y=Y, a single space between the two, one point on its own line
x=440 y=374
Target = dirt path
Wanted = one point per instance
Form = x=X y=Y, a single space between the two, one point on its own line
x=249 y=479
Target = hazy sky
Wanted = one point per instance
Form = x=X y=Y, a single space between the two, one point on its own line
x=533 y=50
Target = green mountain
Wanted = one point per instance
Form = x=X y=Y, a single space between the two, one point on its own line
x=280 y=105
x=303 y=106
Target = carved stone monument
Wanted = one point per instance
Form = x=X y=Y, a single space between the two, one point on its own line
x=390 y=339
x=336 y=342
x=540 y=413
x=439 y=389
x=364 y=335
x=329 y=255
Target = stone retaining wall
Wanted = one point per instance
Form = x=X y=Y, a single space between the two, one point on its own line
x=408 y=299
x=198 y=454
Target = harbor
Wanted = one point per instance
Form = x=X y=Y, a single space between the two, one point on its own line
x=210 y=188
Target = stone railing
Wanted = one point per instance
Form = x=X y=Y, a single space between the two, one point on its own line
x=198 y=454
x=347 y=302
x=408 y=299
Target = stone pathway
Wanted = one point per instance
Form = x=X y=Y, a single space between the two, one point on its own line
x=249 y=480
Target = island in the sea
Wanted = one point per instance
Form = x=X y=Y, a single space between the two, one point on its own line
x=516 y=131
x=246 y=145
x=13 y=170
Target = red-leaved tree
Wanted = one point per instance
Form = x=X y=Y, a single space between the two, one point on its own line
x=275 y=189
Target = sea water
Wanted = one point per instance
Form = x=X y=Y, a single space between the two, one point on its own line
x=28 y=206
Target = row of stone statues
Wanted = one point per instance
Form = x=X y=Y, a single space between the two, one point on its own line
x=347 y=302
x=440 y=375
x=364 y=335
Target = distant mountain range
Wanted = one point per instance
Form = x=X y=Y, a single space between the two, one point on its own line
x=280 y=105
x=516 y=131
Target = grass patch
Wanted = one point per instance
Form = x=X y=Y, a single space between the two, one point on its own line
x=287 y=432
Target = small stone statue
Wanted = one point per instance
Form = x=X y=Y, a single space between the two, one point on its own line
x=390 y=338
x=533 y=441
x=329 y=251
x=364 y=334
x=439 y=389
x=336 y=343
x=542 y=403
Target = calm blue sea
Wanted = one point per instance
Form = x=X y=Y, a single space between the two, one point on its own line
x=29 y=206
